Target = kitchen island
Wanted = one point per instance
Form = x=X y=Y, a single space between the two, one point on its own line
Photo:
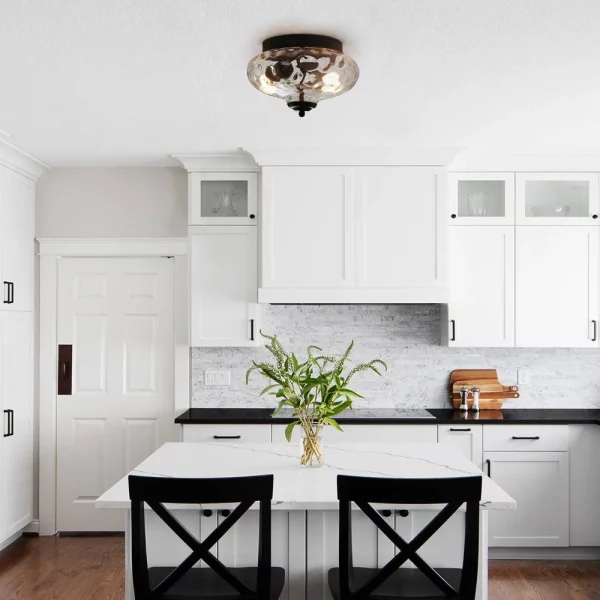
x=305 y=505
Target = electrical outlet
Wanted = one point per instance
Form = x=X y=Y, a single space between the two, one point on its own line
x=523 y=376
x=214 y=377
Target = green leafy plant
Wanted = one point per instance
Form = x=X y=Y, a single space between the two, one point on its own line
x=317 y=389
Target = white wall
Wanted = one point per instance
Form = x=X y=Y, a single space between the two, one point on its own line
x=112 y=202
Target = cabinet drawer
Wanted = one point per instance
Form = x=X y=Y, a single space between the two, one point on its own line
x=241 y=434
x=367 y=434
x=529 y=438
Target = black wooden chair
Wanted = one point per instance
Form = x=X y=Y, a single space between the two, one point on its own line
x=422 y=582
x=218 y=582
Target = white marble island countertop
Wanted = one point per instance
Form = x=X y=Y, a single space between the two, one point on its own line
x=306 y=488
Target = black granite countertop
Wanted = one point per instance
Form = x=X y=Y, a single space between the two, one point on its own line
x=432 y=416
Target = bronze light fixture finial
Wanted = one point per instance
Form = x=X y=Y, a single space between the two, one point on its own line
x=302 y=69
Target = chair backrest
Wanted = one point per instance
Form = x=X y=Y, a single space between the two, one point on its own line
x=158 y=491
x=451 y=492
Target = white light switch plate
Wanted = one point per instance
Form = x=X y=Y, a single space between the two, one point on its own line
x=214 y=377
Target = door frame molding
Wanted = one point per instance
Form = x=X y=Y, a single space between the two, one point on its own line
x=51 y=250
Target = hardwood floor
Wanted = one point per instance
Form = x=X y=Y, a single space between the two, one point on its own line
x=91 y=568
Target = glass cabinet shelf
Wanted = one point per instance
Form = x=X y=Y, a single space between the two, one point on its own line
x=481 y=198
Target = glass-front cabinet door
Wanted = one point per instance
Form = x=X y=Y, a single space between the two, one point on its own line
x=223 y=198
x=557 y=198
x=481 y=198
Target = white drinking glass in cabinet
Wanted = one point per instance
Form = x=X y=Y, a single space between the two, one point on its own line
x=481 y=198
x=557 y=198
x=223 y=198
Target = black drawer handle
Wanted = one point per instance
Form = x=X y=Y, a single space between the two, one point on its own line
x=11 y=422
x=488 y=462
x=227 y=437
x=461 y=429
x=207 y=513
x=453 y=335
x=225 y=513
x=385 y=513
x=526 y=437
x=402 y=513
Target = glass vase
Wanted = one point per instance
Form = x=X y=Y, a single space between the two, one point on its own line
x=312 y=455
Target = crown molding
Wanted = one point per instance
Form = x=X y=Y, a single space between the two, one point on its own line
x=21 y=162
x=472 y=161
x=384 y=156
x=112 y=246
x=225 y=162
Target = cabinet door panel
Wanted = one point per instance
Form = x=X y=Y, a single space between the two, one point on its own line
x=17 y=240
x=223 y=263
x=539 y=482
x=482 y=286
x=557 y=287
x=467 y=439
x=307 y=236
x=400 y=228
x=16 y=393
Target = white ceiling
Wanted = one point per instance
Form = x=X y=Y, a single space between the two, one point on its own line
x=133 y=81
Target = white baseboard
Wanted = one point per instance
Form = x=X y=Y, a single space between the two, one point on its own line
x=11 y=540
x=576 y=553
x=33 y=527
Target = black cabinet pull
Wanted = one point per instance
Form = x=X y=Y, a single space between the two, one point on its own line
x=595 y=329
x=453 y=336
x=403 y=512
x=460 y=429
x=251 y=330
x=225 y=513
x=488 y=462
x=9 y=297
x=253 y=216
x=525 y=437
x=453 y=215
x=11 y=422
x=385 y=513
x=207 y=513
x=227 y=437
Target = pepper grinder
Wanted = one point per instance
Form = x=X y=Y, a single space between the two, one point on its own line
x=475 y=407
x=464 y=395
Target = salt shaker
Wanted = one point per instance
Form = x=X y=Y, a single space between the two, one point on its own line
x=475 y=406
x=464 y=395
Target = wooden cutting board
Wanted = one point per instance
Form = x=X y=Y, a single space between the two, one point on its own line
x=492 y=394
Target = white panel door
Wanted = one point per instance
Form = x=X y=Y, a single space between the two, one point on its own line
x=118 y=316
x=16 y=394
x=481 y=312
x=539 y=482
x=557 y=287
x=467 y=439
x=400 y=228
x=307 y=227
x=223 y=275
x=17 y=240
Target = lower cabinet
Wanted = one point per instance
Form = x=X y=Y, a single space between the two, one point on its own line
x=539 y=482
x=467 y=439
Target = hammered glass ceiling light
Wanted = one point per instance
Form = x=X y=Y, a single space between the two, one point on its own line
x=302 y=69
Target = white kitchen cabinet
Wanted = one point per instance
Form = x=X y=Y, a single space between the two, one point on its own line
x=353 y=235
x=557 y=199
x=401 y=231
x=467 y=439
x=307 y=227
x=223 y=198
x=584 y=485
x=223 y=276
x=17 y=205
x=16 y=444
x=481 y=312
x=539 y=482
x=481 y=198
x=557 y=286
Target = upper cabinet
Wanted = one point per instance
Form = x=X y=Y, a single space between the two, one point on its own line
x=481 y=198
x=557 y=198
x=17 y=223
x=353 y=235
x=223 y=198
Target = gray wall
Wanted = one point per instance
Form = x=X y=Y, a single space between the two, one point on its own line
x=407 y=337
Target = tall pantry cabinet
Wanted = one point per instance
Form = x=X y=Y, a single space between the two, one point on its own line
x=17 y=206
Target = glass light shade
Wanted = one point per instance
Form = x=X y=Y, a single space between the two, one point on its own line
x=303 y=74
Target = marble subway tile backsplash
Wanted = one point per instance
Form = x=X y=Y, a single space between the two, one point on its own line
x=407 y=337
